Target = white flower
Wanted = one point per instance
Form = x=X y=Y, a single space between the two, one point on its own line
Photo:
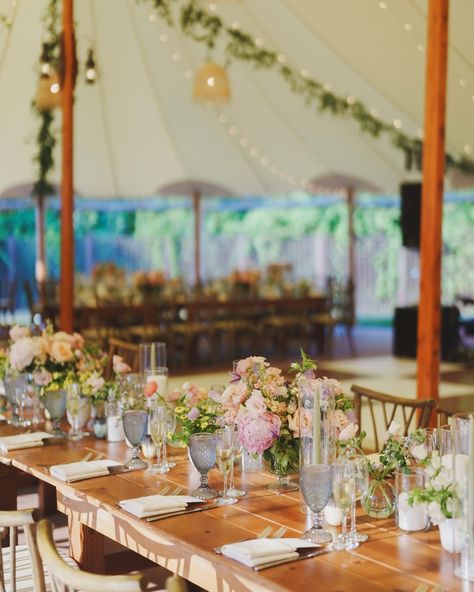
x=24 y=351
x=419 y=452
x=395 y=429
x=435 y=513
x=349 y=431
x=17 y=332
x=42 y=377
x=95 y=382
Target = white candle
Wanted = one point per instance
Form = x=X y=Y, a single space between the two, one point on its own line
x=333 y=515
x=317 y=427
x=161 y=382
x=115 y=431
x=411 y=518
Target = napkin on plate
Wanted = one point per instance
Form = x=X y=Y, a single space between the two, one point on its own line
x=259 y=551
x=154 y=505
x=20 y=441
x=82 y=470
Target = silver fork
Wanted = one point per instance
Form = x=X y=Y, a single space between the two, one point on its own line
x=262 y=535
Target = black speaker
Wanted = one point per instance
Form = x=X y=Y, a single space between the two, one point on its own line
x=410 y=214
x=405 y=328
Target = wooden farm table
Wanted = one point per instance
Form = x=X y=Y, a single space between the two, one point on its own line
x=390 y=560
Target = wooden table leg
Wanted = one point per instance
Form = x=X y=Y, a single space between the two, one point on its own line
x=47 y=498
x=8 y=487
x=86 y=546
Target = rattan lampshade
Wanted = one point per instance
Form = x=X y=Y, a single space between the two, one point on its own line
x=48 y=95
x=211 y=84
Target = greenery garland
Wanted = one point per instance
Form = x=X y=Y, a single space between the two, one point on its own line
x=45 y=138
x=202 y=26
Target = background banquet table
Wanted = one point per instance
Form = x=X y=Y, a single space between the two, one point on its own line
x=390 y=560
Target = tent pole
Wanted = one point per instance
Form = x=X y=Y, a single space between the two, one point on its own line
x=197 y=238
x=429 y=309
x=67 y=179
x=40 y=264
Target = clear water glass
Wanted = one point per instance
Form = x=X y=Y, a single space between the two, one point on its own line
x=21 y=397
x=55 y=404
x=361 y=481
x=343 y=487
x=10 y=393
x=158 y=430
x=135 y=424
x=225 y=447
x=315 y=484
x=167 y=415
x=202 y=452
x=152 y=356
x=76 y=407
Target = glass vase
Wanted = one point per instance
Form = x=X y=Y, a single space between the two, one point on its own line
x=379 y=499
x=279 y=462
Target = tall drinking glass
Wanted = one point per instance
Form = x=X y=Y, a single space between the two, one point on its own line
x=55 y=404
x=202 y=451
x=78 y=409
x=343 y=487
x=225 y=459
x=361 y=481
x=233 y=491
x=21 y=396
x=166 y=414
x=9 y=385
x=135 y=424
x=315 y=484
x=153 y=365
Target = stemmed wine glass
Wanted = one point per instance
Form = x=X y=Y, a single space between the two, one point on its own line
x=158 y=429
x=361 y=482
x=343 y=487
x=55 y=403
x=315 y=483
x=225 y=460
x=202 y=451
x=135 y=424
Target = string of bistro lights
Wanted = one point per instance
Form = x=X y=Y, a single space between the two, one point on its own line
x=242 y=140
x=462 y=81
x=205 y=26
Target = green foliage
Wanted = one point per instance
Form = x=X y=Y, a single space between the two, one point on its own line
x=204 y=27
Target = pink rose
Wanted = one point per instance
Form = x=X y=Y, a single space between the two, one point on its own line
x=77 y=341
x=61 y=350
x=256 y=404
x=257 y=433
x=42 y=377
x=300 y=423
x=173 y=396
x=348 y=432
x=119 y=366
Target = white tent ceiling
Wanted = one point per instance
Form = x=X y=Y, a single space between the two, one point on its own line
x=138 y=130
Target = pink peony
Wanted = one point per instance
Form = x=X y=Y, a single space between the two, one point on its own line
x=255 y=404
x=257 y=433
x=119 y=366
x=24 y=351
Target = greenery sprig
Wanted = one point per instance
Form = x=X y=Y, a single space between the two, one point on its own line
x=204 y=27
x=46 y=137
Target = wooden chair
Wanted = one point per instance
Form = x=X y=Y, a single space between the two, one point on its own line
x=443 y=415
x=69 y=579
x=20 y=565
x=383 y=408
x=128 y=351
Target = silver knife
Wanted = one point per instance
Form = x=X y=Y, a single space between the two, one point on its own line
x=117 y=469
x=291 y=559
x=181 y=512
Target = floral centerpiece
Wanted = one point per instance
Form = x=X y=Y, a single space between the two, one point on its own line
x=197 y=410
x=54 y=359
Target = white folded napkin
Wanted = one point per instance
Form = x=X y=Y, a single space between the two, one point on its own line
x=23 y=441
x=77 y=471
x=259 y=551
x=154 y=505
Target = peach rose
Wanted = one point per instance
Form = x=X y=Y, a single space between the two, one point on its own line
x=61 y=351
x=300 y=423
